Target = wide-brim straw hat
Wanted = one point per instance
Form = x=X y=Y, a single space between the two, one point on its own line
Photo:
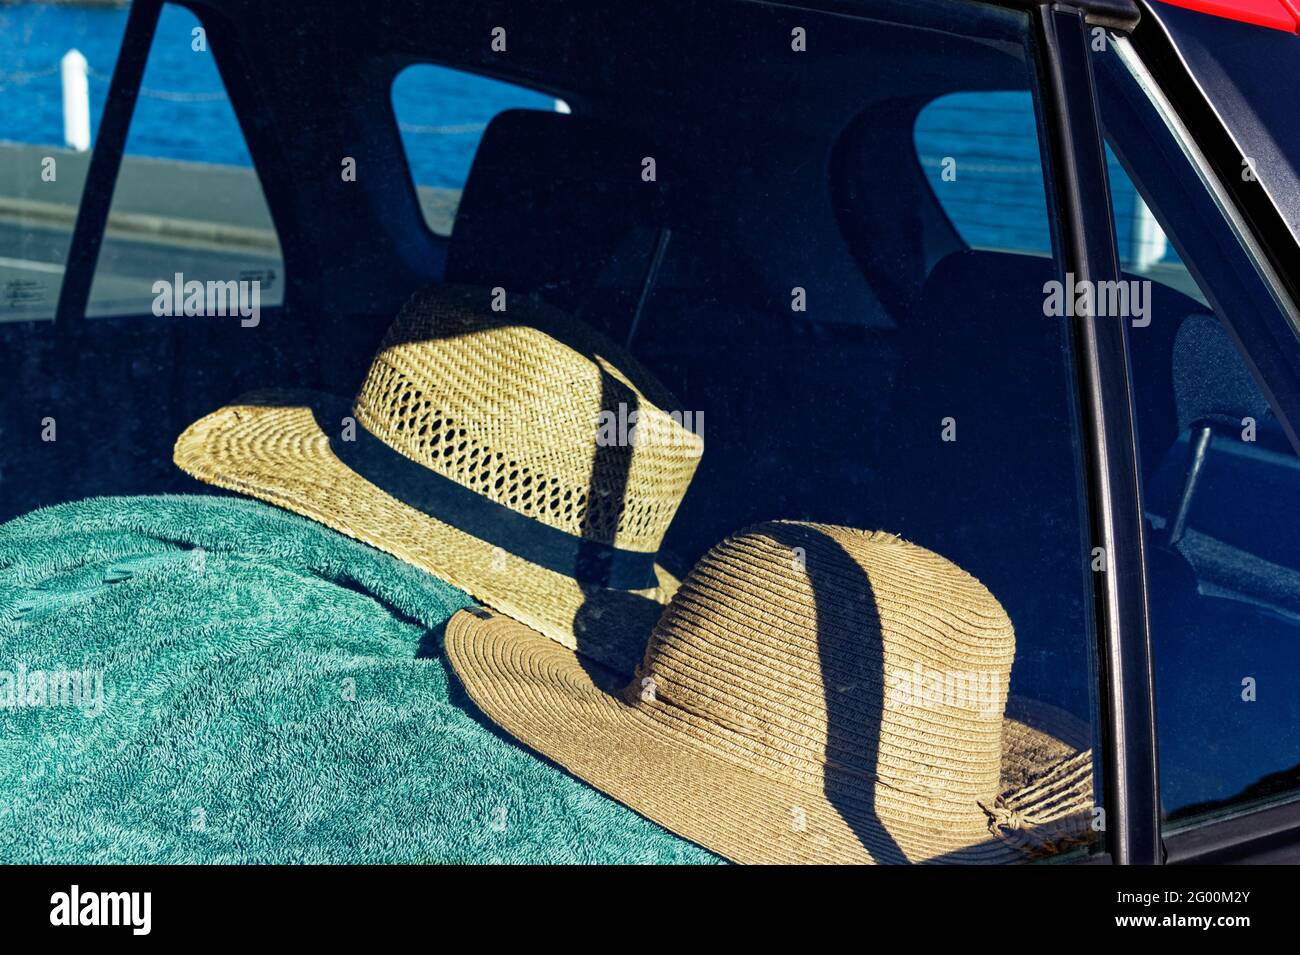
x=811 y=694
x=517 y=455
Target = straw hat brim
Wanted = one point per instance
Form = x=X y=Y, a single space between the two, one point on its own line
x=571 y=711
x=274 y=446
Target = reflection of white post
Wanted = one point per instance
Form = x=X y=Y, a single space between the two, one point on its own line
x=1149 y=241
x=76 y=101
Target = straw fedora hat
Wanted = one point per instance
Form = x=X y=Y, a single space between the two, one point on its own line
x=519 y=456
x=777 y=715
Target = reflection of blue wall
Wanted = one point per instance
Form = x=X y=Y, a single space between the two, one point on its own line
x=456 y=105
x=998 y=199
x=183 y=112
x=33 y=38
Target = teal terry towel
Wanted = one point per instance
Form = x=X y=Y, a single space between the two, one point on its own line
x=211 y=679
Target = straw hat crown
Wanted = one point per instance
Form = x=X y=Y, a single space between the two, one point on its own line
x=802 y=649
x=543 y=417
x=518 y=455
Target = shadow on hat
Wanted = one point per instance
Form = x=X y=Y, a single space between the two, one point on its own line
x=811 y=694
x=519 y=456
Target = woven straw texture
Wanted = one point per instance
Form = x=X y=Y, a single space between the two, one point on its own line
x=510 y=411
x=505 y=409
x=775 y=717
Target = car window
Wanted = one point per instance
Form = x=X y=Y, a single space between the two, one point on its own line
x=896 y=367
x=1221 y=480
x=880 y=410
x=189 y=232
x=979 y=151
x=974 y=145
x=442 y=114
x=43 y=153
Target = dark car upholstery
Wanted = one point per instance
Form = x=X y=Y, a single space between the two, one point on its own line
x=555 y=205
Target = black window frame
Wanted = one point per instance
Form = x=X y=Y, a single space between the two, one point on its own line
x=104 y=167
x=106 y=162
x=1079 y=192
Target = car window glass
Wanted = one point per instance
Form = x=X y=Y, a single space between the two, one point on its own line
x=897 y=378
x=735 y=217
x=189 y=232
x=44 y=153
x=1221 y=482
x=975 y=144
x=442 y=114
x=979 y=151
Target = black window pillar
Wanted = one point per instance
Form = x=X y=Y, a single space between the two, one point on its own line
x=105 y=160
x=1086 y=248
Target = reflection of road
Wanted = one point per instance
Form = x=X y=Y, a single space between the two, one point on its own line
x=31 y=270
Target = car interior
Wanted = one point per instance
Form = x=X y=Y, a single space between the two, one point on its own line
x=1218 y=470
x=761 y=185
x=831 y=413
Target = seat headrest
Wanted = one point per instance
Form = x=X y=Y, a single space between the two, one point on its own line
x=1211 y=379
x=550 y=200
